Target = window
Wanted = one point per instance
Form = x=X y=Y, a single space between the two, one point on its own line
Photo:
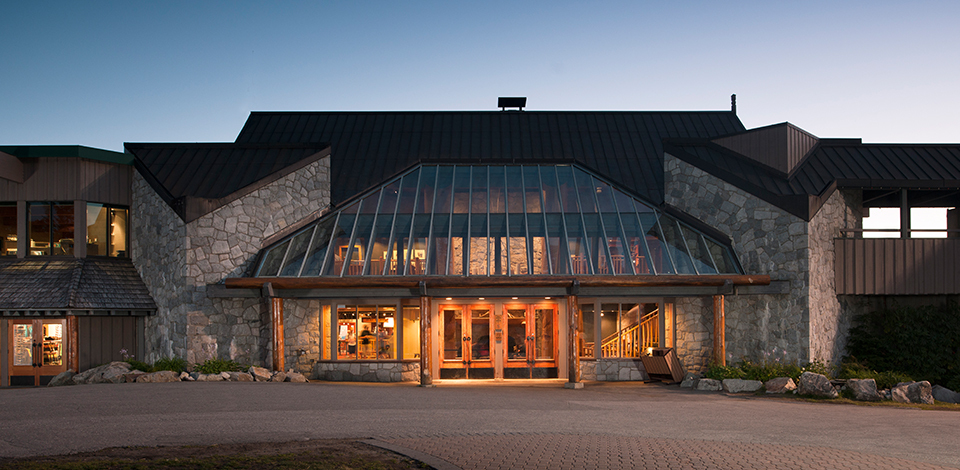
x=627 y=329
x=50 y=227
x=366 y=332
x=510 y=220
x=106 y=231
x=8 y=229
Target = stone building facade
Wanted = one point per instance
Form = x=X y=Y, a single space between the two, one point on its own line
x=178 y=260
x=807 y=323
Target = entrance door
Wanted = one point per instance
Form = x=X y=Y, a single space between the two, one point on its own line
x=530 y=351
x=465 y=345
x=36 y=351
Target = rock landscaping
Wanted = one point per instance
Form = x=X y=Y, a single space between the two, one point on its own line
x=119 y=372
x=818 y=385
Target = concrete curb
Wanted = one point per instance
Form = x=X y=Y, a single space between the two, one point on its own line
x=433 y=462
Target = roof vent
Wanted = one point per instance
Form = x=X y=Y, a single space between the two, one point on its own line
x=506 y=102
x=733 y=104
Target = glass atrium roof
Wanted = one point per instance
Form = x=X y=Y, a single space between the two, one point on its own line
x=483 y=220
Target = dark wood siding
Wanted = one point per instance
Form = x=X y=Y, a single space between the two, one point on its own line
x=69 y=179
x=894 y=266
x=102 y=338
x=781 y=146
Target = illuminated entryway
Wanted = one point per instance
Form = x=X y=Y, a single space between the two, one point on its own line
x=37 y=350
x=511 y=340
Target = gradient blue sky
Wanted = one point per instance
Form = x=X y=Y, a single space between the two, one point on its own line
x=102 y=73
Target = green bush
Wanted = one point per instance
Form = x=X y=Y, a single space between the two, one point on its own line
x=216 y=366
x=886 y=379
x=137 y=365
x=718 y=372
x=921 y=342
x=170 y=363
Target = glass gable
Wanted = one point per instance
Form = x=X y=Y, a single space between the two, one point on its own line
x=490 y=220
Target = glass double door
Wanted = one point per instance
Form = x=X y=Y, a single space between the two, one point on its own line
x=36 y=351
x=508 y=341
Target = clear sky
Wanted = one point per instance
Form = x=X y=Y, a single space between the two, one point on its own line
x=104 y=73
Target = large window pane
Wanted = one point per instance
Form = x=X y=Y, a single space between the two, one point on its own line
x=538 y=244
x=498 y=195
x=723 y=258
x=678 y=250
x=459 y=236
x=8 y=230
x=118 y=232
x=479 y=246
x=411 y=332
x=341 y=241
x=438 y=258
x=658 y=249
x=318 y=248
x=698 y=251
x=50 y=228
x=532 y=190
x=298 y=248
x=498 y=244
x=518 y=245
x=428 y=181
x=39 y=228
x=588 y=339
x=630 y=340
x=272 y=260
x=567 y=189
x=609 y=330
x=347 y=332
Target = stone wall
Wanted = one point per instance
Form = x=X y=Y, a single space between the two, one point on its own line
x=829 y=321
x=178 y=261
x=368 y=371
x=806 y=324
x=301 y=327
x=768 y=240
x=157 y=249
x=694 y=332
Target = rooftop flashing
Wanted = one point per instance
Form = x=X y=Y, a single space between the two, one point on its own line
x=67 y=151
x=496 y=220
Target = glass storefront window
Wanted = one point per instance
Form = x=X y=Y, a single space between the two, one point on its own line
x=106 y=231
x=588 y=339
x=411 y=332
x=366 y=332
x=498 y=220
x=8 y=230
x=627 y=329
x=50 y=228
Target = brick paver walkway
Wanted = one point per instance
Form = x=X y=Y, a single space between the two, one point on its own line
x=568 y=451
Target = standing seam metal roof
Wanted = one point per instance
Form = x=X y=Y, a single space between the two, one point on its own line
x=369 y=147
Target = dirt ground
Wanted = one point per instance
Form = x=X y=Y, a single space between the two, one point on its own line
x=319 y=453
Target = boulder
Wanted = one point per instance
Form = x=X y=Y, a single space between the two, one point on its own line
x=185 y=376
x=278 y=376
x=132 y=376
x=817 y=385
x=295 y=377
x=225 y=375
x=913 y=392
x=710 y=385
x=209 y=378
x=107 y=373
x=943 y=394
x=159 y=376
x=780 y=385
x=690 y=380
x=740 y=385
x=863 y=389
x=240 y=377
x=66 y=378
x=260 y=374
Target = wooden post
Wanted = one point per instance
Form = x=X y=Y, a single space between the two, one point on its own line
x=574 y=327
x=276 y=320
x=719 y=332
x=73 y=345
x=426 y=338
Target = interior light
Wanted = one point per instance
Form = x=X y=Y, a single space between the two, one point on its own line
x=480 y=298
x=449 y=298
x=548 y=298
x=388 y=323
x=514 y=298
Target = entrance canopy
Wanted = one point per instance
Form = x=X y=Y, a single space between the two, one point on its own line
x=496 y=220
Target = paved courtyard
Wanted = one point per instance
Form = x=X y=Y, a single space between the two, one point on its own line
x=477 y=426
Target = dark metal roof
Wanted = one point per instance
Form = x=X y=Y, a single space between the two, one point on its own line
x=369 y=147
x=834 y=163
x=64 y=284
x=66 y=151
x=198 y=178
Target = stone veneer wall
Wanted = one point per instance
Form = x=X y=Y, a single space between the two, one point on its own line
x=178 y=260
x=368 y=371
x=830 y=321
x=808 y=323
x=301 y=327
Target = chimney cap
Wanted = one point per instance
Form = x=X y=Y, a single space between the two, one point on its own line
x=505 y=102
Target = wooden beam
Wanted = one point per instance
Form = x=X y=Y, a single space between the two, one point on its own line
x=276 y=321
x=574 y=328
x=73 y=343
x=426 y=349
x=719 y=332
x=432 y=282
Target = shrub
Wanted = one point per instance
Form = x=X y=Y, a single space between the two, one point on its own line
x=138 y=365
x=922 y=342
x=886 y=379
x=718 y=372
x=216 y=366
x=170 y=363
